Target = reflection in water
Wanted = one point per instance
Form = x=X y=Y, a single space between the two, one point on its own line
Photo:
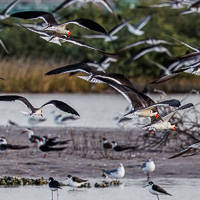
x=181 y=189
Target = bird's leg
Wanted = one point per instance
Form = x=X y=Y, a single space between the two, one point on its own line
x=157 y=197
x=57 y=194
x=148 y=176
x=51 y=194
x=44 y=155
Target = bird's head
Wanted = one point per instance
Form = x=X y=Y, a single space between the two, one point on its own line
x=174 y=127
x=51 y=179
x=157 y=115
x=69 y=176
x=68 y=33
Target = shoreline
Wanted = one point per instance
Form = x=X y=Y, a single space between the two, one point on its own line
x=86 y=161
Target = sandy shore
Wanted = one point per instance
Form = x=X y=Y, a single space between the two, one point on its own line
x=84 y=158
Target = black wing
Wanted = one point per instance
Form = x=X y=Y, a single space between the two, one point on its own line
x=19 y=98
x=78 y=180
x=46 y=16
x=62 y=106
x=89 y=24
x=159 y=189
x=16 y=147
x=78 y=67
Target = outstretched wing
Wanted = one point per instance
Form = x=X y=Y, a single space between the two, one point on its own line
x=62 y=106
x=19 y=98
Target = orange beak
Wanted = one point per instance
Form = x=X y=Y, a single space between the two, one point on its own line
x=68 y=33
x=157 y=115
x=174 y=128
x=151 y=132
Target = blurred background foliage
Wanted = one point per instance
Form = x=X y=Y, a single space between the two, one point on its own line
x=32 y=56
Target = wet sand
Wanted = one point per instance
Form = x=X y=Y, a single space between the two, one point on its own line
x=83 y=156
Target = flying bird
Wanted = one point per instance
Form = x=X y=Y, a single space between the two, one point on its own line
x=5 y=13
x=67 y=3
x=59 y=29
x=163 y=123
x=192 y=148
x=38 y=111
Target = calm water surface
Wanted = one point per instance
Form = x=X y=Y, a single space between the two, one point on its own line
x=181 y=189
x=96 y=110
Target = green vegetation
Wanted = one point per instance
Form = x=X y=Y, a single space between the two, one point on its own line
x=42 y=56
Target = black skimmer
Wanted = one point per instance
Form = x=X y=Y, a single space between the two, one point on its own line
x=163 y=123
x=54 y=186
x=61 y=119
x=156 y=190
x=145 y=41
x=174 y=4
x=54 y=27
x=4 y=146
x=148 y=167
x=117 y=173
x=45 y=148
x=190 y=149
x=74 y=181
x=38 y=111
x=106 y=146
x=119 y=148
x=136 y=30
x=5 y=13
x=59 y=40
x=141 y=104
x=110 y=36
x=53 y=141
x=31 y=137
x=153 y=48
x=67 y=3
x=194 y=8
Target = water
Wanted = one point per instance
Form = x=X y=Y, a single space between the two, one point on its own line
x=181 y=189
x=96 y=110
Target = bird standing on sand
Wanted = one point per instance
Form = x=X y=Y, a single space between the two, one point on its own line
x=148 y=167
x=117 y=173
x=156 y=190
x=54 y=186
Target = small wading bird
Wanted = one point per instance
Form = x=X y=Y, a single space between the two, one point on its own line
x=156 y=190
x=38 y=111
x=117 y=173
x=75 y=181
x=67 y=3
x=54 y=186
x=44 y=148
x=5 y=13
x=4 y=146
x=194 y=149
x=163 y=123
x=148 y=167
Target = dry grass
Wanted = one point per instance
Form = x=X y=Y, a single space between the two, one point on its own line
x=27 y=76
